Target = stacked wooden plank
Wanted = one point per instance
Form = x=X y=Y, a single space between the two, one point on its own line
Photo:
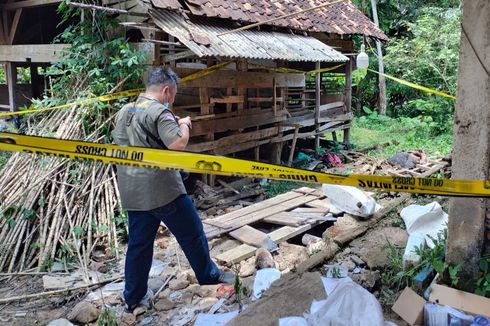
x=295 y=212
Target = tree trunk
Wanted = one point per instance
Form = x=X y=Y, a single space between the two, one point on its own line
x=381 y=79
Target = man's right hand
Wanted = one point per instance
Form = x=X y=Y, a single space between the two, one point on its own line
x=187 y=121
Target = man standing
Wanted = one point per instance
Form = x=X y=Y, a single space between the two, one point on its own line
x=152 y=196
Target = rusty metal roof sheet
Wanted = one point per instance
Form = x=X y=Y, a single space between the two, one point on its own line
x=342 y=18
x=200 y=36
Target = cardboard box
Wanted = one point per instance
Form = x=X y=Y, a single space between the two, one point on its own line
x=470 y=303
x=410 y=307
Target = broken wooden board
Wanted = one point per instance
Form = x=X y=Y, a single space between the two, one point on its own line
x=257 y=212
x=245 y=251
x=294 y=219
x=249 y=235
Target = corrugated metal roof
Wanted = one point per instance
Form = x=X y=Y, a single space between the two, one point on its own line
x=342 y=18
x=200 y=36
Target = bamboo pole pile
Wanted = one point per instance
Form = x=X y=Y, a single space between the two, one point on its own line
x=52 y=208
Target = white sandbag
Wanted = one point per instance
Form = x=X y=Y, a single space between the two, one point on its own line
x=215 y=319
x=428 y=220
x=293 y=321
x=351 y=200
x=349 y=304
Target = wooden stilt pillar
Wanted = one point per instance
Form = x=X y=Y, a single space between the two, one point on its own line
x=348 y=97
x=11 y=74
x=318 y=80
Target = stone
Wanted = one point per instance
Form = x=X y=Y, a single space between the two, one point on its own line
x=128 y=319
x=292 y=295
x=206 y=303
x=165 y=293
x=290 y=256
x=193 y=289
x=348 y=264
x=358 y=261
x=208 y=290
x=155 y=284
x=98 y=266
x=164 y=305
x=60 y=322
x=373 y=247
x=140 y=310
x=83 y=313
x=315 y=247
x=168 y=271
x=247 y=267
x=190 y=276
x=367 y=279
x=175 y=296
x=178 y=284
x=263 y=259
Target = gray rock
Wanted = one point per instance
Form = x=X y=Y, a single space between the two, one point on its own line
x=60 y=322
x=164 y=305
x=206 y=303
x=178 y=284
x=83 y=313
x=155 y=284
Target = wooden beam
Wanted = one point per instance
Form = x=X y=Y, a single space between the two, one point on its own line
x=177 y=56
x=15 y=23
x=234 y=123
x=3 y=39
x=11 y=74
x=318 y=80
x=241 y=79
x=274 y=96
x=227 y=99
x=32 y=52
x=28 y=4
x=106 y=9
x=293 y=146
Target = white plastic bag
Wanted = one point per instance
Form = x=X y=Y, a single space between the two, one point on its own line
x=428 y=220
x=351 y=200
x=348 y=305
x=263 y=280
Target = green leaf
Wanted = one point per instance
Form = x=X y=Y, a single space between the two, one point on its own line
x=484 y=265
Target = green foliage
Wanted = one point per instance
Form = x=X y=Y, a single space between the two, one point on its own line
x=429 y=57
x=97 y=62
x=3 y=80
x=275 y=188
x=107 y=317
x=4 y=157
x=424 y=49
x=404 y=133
x=482 y=283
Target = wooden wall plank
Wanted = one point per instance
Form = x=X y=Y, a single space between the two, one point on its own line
x=239 y=122
x=241 y=79
x=249 y=235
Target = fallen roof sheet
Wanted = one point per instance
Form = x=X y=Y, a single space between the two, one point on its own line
x=342 y=18
x=200 y=36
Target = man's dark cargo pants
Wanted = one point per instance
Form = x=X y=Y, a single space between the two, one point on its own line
x=182 y=220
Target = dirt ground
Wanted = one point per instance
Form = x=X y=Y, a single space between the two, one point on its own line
x=179 y=304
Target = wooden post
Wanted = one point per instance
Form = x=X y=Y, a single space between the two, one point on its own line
x=471 y=133
x=318 y=80
x=348 y=97
x=11 y=74
x=36 y=92
x=274 y=96
x=229 y=92
x=242 y=66
x=381 y=69
x=293 y=146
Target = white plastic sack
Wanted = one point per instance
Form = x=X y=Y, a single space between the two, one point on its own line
x=348 y=305
x=428 y=220
x=351 y=200
x=293 y=321
x=263 y=281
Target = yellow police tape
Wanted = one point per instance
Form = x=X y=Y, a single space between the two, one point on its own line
x=103 y=98
x=210 y=164
x=415 y=86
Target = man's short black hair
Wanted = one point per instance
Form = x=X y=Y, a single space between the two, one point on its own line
x=162 y=76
